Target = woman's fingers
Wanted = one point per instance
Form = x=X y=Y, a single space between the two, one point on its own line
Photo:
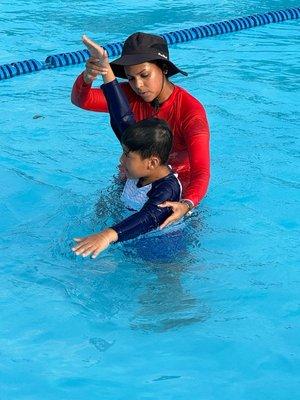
x=96 y=63
x=173 y=217
x=95 y=71
x=94 y=68
x=168 y=221
x=179 y=210
x=167 y=204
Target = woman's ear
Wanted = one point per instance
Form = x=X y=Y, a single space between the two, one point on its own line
x=164 y=69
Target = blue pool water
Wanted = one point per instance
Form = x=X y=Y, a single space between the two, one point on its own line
x=220 y=318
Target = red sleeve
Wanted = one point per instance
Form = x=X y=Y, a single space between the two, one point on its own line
x=196 y=131
x=84 y=96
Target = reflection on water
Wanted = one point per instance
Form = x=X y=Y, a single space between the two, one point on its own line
x=166 y=304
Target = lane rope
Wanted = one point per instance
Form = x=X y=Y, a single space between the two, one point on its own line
x=114 y=49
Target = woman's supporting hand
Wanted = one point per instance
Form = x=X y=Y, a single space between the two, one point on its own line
x=98 y=63
x=94 y=244
x=179 y=210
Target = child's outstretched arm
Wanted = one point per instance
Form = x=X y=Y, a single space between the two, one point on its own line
x=94 y=244
x=150 y=217
x=141 y=222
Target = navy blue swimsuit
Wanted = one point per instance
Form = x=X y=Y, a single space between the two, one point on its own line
x=150 y=216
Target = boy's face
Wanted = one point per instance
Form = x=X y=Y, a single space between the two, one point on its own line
x=134 y=165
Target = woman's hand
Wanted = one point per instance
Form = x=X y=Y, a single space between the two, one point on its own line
x=179 y=210
x=94 y=244
x=98 y=63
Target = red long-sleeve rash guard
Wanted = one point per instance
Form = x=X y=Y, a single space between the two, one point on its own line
x=187 y=119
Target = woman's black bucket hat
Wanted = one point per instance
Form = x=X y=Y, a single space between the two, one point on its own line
x=142 y=47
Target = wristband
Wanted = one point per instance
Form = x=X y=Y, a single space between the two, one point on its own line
x=188 y=203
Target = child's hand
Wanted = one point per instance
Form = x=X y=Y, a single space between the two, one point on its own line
x=98 y=63
x=95 y=50
x=94 y=244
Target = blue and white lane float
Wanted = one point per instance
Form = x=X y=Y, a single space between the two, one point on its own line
x=114 y=49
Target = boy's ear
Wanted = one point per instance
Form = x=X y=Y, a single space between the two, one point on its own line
x=154 y=162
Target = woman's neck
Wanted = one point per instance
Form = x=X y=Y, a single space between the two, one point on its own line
x=166 y=92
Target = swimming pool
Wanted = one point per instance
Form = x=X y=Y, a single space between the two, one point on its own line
x=218 y=322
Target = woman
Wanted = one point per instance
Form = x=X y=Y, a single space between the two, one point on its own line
x=145 y=64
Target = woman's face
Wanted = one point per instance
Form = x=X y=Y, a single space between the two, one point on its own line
x=145 y=79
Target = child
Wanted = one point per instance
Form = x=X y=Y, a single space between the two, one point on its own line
x=146 y=148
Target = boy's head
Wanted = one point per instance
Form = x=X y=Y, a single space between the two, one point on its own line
x=146 y=146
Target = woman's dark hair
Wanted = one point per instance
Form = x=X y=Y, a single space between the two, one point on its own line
x=149 y=137
x=162 y=65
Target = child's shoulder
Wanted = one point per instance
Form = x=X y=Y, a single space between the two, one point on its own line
x=168 y=188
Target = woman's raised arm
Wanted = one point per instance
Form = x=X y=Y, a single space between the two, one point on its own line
x=83 y=95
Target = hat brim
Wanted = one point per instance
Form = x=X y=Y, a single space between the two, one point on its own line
x=133 y=59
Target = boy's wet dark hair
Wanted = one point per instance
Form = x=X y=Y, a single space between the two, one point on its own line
x=149 y=137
